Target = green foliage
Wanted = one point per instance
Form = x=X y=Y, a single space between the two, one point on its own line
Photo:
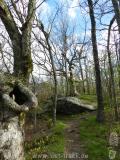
x=95 y=137
x=50 y=123
x=48 y=144
x=90 y=99
x=45 y=91
x=58 y=134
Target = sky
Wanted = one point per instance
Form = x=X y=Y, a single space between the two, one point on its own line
x=76 y=12
x=77 y=15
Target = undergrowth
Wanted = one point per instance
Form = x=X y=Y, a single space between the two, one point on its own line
x=95 y=138
x=47 y=146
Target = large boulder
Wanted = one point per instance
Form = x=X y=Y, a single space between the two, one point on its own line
x=72 y=105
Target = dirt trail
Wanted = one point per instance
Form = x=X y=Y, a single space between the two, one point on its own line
x=73 y=145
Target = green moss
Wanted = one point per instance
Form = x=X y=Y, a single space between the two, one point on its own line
x=22 y=119
x=88 y=98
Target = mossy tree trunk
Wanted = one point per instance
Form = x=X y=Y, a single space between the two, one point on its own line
x=11 y=147
x=11 y=131
x=21 y=39
x=71 y=82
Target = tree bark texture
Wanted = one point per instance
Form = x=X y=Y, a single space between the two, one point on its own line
x=112 y=72
x=21 y=39
x=100 y=110
x=116 y=6
x=15 y=99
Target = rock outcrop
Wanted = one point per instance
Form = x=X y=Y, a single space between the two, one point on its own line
x=72 y=105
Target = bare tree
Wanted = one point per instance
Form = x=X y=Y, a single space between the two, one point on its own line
x=111 y=71
x=100 y=111
x=116 y=6
x=22 y=99
x=49 y=49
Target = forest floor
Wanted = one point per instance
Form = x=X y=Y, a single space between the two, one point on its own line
x=75 y=137
x=65 y=143
x=73 y=145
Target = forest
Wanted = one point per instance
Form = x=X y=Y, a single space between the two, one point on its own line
x=60 y=79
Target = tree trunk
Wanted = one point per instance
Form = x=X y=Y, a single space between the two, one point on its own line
x=66 y=78
x=71 y=83
x=81 y=72
x=11 y=147
x=20 y=40
x=64 y=56
x=11 y=131
x=100 y=110
x=116 y=6
x=46 y=35
x=87 y=77
x=112 y=72
x=11 y=139
x=118 y=60
x=107 y=84
x=55 y=83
